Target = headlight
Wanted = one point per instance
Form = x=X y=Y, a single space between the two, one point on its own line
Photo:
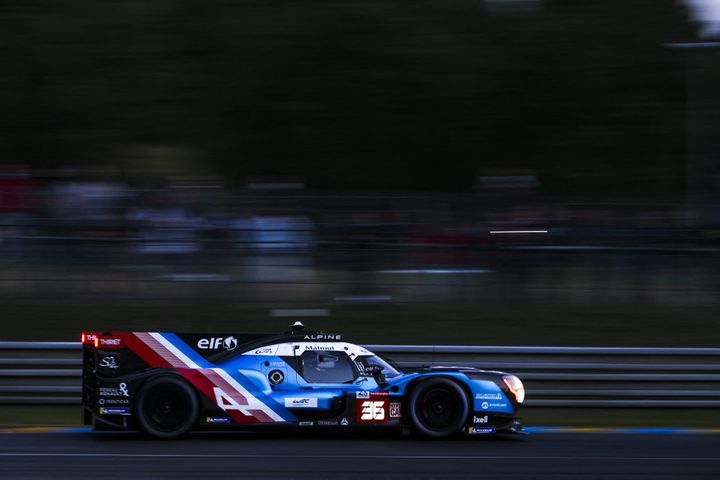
x=515 y=386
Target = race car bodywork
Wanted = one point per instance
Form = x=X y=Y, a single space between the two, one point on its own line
x=169 y=383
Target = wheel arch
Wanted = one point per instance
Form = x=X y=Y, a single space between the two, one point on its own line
x=156 y=374
x=159 y=376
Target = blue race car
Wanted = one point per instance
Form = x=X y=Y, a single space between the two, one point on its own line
x=167 y=384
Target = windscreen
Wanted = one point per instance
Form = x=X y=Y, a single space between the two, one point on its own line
x=368 y=361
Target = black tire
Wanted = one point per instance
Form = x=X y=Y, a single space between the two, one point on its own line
x=167 y=407
x=438 y=407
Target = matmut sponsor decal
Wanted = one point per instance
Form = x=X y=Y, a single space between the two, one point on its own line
x=301 y=402
x=373 y=409
x=326 y=348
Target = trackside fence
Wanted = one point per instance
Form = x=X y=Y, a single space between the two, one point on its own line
x=48 y=373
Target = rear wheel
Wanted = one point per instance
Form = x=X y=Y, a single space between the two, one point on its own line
x=167 y=407
x=438 y=407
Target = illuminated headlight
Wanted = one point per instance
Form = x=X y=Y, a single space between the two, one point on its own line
x=515 y=386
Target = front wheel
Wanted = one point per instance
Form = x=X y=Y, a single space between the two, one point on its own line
x=167 y=407
x=438 y=407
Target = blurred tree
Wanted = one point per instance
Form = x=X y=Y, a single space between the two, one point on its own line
x=362 y=94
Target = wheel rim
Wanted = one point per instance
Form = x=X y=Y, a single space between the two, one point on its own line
x=438 y=408
x=168 y=407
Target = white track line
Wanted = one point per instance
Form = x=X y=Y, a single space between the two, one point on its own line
x=358 y=457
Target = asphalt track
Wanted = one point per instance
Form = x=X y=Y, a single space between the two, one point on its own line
x=544 y=455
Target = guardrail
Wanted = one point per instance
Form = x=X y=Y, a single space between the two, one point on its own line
x=49 y=372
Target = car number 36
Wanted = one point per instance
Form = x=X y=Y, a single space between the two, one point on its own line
x=372 y=410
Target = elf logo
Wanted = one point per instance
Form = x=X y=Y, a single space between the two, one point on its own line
x=229 y=343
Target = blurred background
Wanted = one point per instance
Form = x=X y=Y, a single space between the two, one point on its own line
x=511 y=172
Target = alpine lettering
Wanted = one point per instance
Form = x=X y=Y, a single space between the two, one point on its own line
x=323 y=336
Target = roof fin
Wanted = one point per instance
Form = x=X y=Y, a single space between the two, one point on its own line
x=297 y=326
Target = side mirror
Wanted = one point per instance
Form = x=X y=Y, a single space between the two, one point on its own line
x=376 y=372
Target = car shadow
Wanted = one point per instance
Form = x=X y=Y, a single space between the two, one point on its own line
x=274 y=434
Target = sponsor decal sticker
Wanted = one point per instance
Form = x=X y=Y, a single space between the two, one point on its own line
x=362 y=394
x=328 y=423
x=498 y=405
x=114 y=411
x=120 y=391
x=480 y=419
x=344 y=422
x=306 y=424
x=472 y=430
x=114 y=401
x=108 y=361
x=488 y=396
x=320 y=347
x=301 y=402
x=228 y=343
x=110 y=342
x=218 y=420
x=264 y=351
x=395 y=410
x=486 y=405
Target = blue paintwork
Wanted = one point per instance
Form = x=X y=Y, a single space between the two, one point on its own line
x=483 y=391
x=252 y=372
